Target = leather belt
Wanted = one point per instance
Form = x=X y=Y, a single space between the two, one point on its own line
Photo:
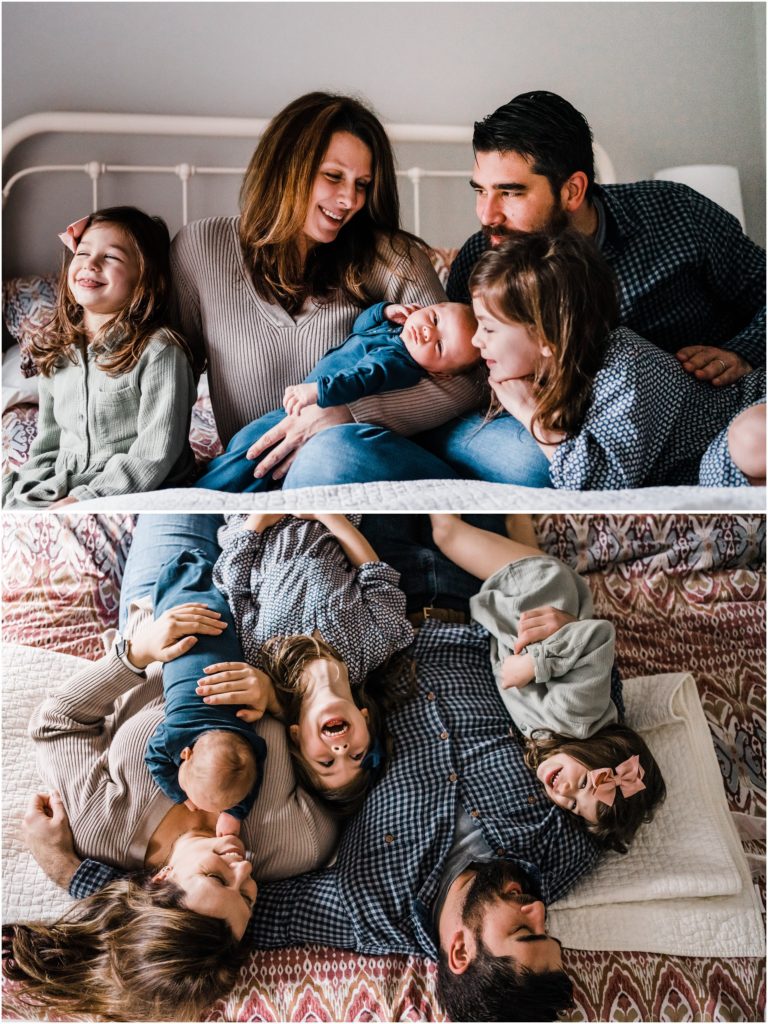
x=441 y=614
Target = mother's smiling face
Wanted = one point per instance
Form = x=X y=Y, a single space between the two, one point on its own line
x=215 y=877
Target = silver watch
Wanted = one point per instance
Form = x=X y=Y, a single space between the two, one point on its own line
x=122 y=650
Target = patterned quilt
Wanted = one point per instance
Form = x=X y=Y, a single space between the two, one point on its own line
x=684 y=591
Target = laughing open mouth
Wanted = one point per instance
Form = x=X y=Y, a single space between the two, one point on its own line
x=553 y=778
x=335 y=727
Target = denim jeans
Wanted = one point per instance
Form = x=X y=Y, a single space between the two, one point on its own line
x=232 y=471
x=156 y=540
x=501 y=451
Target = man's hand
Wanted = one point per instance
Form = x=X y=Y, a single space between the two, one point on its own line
x=716 y=365
x=398 y=314
x=538 y=624
x=237 y=682
x=172 y=634
x=298 y=397
x=48 y=837
x=290 y=434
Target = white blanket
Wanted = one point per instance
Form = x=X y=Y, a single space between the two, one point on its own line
x=683 y=888
x=434 y=495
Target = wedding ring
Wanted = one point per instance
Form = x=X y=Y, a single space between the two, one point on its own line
x=722 y=363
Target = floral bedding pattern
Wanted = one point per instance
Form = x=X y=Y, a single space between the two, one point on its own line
x=674 y=585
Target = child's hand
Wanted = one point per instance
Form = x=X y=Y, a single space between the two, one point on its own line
x=173 y=633
x=517 y=671
x=237 y=682
x=227 y=825
x=257 y=522
x=539 y=623
x=297 y=396
x=399 y=314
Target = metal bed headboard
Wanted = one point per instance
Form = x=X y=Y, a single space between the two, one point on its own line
x=216 y=127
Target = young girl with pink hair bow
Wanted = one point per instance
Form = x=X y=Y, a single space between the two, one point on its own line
x=557 y=688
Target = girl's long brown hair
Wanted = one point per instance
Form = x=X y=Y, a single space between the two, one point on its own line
x=131 y=951
x=610 y=746
x=274 y=199
x=118 y=346
x=562 y=290
x=284 y=659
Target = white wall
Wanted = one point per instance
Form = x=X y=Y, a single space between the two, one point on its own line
x=661 y=83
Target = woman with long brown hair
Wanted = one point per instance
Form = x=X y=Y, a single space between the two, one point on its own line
x=261 y=297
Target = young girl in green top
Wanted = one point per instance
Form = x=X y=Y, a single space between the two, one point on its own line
x=116 y=385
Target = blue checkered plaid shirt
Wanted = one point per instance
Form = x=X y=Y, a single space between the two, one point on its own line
x=688 y=274
x=453 y=746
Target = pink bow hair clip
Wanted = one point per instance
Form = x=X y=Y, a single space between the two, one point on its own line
x=627 y=777
x=74 y=233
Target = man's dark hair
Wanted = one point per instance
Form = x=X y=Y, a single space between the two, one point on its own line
x=544 y=128
x=496 y=988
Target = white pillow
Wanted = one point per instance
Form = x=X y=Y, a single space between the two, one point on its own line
x=16 y=388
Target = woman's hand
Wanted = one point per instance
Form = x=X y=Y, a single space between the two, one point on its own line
x=716 y=365
x=398 y=314
x=48 y=837
x=538 y=624
x=69 y=500
x=290 y=434
x=236 y=682
x=298 y=397
x=172 y=634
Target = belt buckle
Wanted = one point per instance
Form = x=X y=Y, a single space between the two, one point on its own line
x=426 y=610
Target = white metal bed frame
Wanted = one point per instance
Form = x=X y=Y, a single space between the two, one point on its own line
x=73 y=123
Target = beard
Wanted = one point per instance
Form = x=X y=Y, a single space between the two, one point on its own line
x=555 y=224
x=488 y=885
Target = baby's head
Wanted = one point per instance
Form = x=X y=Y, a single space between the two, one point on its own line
x=611 y=780
x=439 y=337
x=332 y=727
x=218 y=770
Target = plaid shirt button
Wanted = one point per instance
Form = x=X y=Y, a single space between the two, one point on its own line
x=443 y=735
x=474 y=814
x=453 y=777
x=389 y=838
x=532 y=799
x=500 y=852
x=431 y=696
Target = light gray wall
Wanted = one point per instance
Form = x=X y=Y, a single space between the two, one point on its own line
x=661 y=83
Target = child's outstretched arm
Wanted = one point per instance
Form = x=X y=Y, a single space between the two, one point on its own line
x=478 y=551
x=352 y=542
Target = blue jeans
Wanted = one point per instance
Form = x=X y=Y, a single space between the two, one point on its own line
x=501 y=451
x=156 y=540
x=232 y=471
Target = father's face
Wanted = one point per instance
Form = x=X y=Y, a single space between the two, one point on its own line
x=510 y=197
x=507 y=920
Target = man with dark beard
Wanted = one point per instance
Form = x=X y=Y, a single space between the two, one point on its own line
x=689 y=279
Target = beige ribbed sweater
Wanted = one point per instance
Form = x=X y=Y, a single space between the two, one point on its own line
x=91 y=737
x=255 y=349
